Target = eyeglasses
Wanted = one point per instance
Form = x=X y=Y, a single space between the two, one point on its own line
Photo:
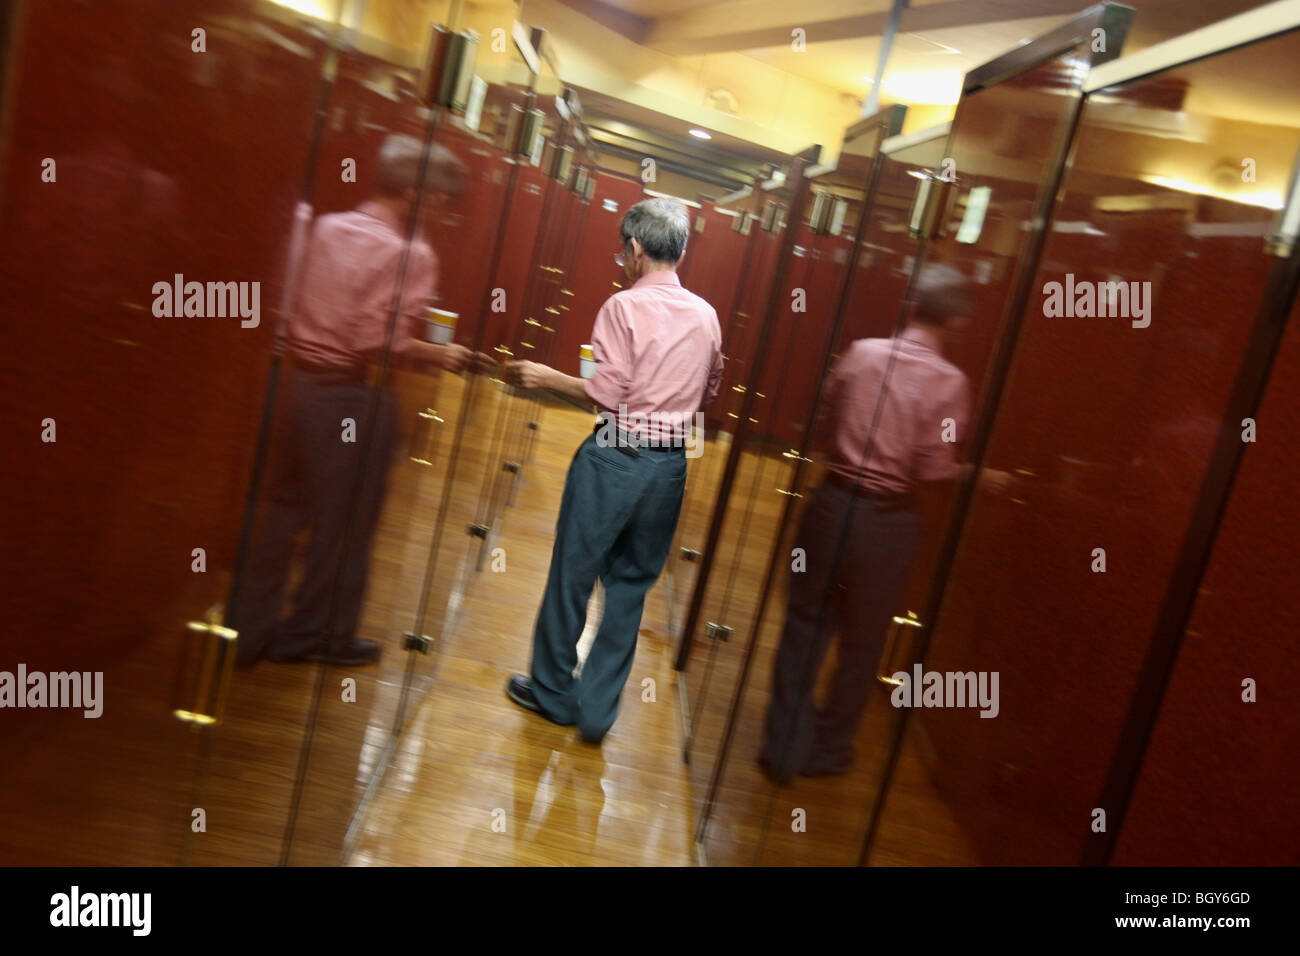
x=620 y=259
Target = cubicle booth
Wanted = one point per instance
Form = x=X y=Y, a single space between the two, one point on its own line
x=1112 y=543
x=1109 y=505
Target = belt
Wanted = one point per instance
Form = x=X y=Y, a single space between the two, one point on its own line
x=330 y=374
x=632 y=445
x=860 y=491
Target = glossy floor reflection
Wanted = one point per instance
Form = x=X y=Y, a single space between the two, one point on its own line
x=476 y=780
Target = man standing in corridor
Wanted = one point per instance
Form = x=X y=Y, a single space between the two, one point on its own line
x=362 y=266
x=659 y=349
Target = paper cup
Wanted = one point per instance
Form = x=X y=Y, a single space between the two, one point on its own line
x=440 y=326
x=587 y=362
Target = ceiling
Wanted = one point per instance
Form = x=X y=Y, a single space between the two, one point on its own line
x=937 y=43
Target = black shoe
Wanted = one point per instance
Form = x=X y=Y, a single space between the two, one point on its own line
x=351 y=653
x=520 y=689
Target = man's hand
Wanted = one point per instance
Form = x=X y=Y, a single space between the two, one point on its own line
x=454 y=358
x=529 y=374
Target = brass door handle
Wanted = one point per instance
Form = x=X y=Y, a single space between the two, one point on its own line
x=422 y=441
x=890 y=662
x=202 y=703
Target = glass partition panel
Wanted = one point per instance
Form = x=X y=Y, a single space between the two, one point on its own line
x=724 y=268
x=702 y=506
x=728 y=740
x=894 y=419
x=415 y=492
x=1217 y=784
x=155 y=159
x=1117 y=393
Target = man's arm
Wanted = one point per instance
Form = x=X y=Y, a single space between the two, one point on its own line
x=536 y=375
x=613 y=373
x=452 y=357
x=715 y=374
x=421 y=284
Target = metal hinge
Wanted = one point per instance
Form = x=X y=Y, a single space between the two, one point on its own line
x=417 y=642
x=718 y=632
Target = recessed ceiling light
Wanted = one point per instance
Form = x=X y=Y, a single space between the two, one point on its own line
x=700 y=134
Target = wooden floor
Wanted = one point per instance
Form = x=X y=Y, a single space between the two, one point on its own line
x=471 y=779
x=809 y=821
x=477 y=780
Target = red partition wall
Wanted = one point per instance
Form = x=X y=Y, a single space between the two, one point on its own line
x=1105 y=431
x=562 y=256
x=359 y=115
x=465 y=229
x=515 y=266
x=740 y=330
x=1220 y=777
x=166 y=162
x=885 y=258
x=803 y=337
x=594 y=276
x=711 y=268
x=789 y=329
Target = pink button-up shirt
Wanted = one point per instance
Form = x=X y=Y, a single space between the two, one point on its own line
x=925 y=400
x=660 y=352
x=348 y=285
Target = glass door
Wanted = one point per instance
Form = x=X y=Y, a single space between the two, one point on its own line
x=1075 y=576
x=724 y=266
x=428 y=541
x=781 y=449
x=741 y=402
x=151 y=205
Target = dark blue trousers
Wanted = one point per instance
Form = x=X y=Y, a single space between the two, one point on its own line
x=312 y=483
x=617 y=520
x=853 y=593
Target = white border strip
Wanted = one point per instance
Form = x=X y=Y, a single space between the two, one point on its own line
x=903 y=140
x=1235 y=31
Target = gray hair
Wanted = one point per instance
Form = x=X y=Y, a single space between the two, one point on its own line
x=399 y=166
x=939 y=293
x=660 y=225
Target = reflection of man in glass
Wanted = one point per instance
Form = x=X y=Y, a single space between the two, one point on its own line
x=335 y=434
x=659 y=349
x=891 y=410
